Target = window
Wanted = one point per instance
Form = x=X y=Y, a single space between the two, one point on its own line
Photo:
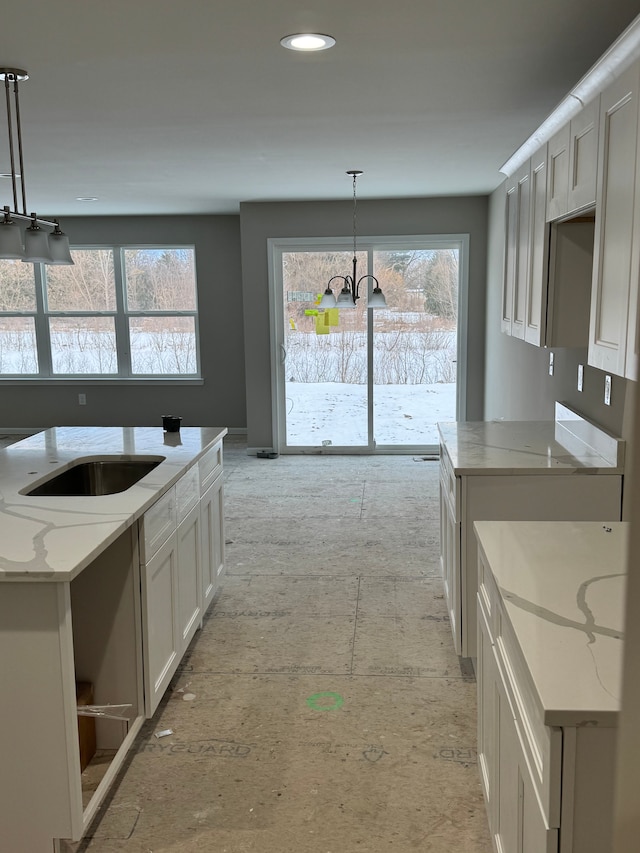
x=118 y=312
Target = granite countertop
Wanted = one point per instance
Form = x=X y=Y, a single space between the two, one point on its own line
x=54 y=538
x=569 y=444
x=563 y=584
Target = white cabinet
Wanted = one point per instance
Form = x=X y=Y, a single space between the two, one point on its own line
x=573 y=161
x=182 y=558
x=524 y=300
x=612 y=327
x=54 y=634
x=160 y=621
x=517 y=213
x=450 y=549
x=212 y=538
x=547 y=788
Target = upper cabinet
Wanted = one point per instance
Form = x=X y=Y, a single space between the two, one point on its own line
x=612 y=332
x=572 y=232
x=573 y=158
x=525 y=267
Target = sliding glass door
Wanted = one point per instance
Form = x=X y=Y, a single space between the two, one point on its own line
x=361 y=380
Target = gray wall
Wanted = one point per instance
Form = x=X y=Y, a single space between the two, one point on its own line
x=259 y=221
x=518 y=385
x=219 y=400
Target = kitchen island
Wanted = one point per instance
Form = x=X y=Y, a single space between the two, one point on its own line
x=99 y=589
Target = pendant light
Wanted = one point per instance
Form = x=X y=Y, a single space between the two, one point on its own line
x=36 y=245
x=350 y=292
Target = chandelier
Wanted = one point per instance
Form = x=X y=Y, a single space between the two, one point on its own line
x=350 y=292
x=33 y=245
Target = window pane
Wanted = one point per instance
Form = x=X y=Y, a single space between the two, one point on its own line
x=18 y=345
x=17 y=286
x=160 y=279
x=83 y=345
x=89 y=285
x=163 y=345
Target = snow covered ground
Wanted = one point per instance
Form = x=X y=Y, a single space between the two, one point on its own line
x=335 y=413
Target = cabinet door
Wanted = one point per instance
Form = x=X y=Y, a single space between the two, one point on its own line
x=519 y=823
x=450 y=564
x=558 y=174
x=521 y=280
x=161 y=630
x=189 y=576
x=510 y=252
x=583 y=157
x=614 y=224
x=212 y=538
x=536 y=299
x=487 y=675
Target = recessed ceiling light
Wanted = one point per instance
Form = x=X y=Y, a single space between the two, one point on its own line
x=87 y=198
x=307 y=41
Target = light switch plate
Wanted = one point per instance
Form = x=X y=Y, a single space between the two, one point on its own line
x=580 y=377
x=607 y=390
x=551 y=359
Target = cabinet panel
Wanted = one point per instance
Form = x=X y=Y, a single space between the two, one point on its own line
x=160 y=622
x=210 y=466
x=212 y=538
x=189 y=576
x=159 y=524
x=521 y=279
x=614 y=224
x=583 y=157
x=187 y=493
x=557 y=174
x=536 y=299
x=510 y=254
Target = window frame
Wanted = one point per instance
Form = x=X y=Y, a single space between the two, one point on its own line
x=121 y=316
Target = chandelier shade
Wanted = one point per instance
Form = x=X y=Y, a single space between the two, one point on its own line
x=350 y=293
x=35 y=245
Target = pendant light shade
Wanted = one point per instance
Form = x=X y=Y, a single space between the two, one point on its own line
x=59 y=247
x=11 y=247
x=328 y=299
x=345 y=299
x=36 y=245
x=377 y=300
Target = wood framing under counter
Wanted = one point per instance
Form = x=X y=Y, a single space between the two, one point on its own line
x=71 y=609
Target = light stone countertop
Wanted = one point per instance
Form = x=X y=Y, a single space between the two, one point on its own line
x=54 y=538
x=563 y=584
x=569 y=444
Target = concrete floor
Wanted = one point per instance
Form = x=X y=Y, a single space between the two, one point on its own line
x=322 y=708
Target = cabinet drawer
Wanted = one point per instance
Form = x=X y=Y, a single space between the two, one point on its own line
x=158 y=523
x=541 y=744
x=450 y=483
x=187 y=493
x=210 y=465
x=488 y=597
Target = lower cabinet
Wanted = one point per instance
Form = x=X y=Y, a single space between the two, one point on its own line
x=182 y=559
x=212 y=539
x=547 y=789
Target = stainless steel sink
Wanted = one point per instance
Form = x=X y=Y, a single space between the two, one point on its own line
x=97 y=477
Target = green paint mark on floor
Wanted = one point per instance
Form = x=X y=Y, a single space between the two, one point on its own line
x=332 y=702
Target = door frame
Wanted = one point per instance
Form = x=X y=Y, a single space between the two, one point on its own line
x=277 y=246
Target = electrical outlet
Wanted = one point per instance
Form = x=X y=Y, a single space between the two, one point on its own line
x=580 y=377
x=607 y=390
x=82 y=399
x=551 y=359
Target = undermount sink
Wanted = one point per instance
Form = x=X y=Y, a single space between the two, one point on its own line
x=97 y=477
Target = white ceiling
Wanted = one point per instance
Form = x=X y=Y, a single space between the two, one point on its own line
x=192 y=106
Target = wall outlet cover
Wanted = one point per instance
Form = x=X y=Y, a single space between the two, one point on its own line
x=551 y=360
x=580 y=377
x=607 y=390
